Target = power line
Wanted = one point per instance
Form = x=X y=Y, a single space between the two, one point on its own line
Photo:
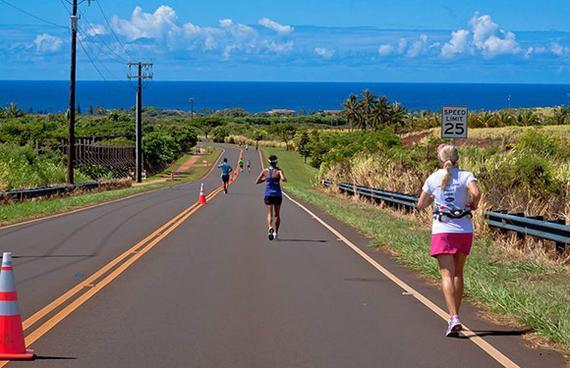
x=111 y=29
x=32 y=15
x=120 y=59
x=91 y=59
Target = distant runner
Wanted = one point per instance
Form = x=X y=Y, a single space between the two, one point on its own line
x=241 y=164
x=272 y=176
x=246 y=147
x=452 y=230
x=249 y=166
x=226 y=170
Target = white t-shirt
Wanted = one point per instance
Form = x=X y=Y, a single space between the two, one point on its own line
x=455 y=196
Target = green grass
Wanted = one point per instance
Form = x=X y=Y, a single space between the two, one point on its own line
x=23 y=211
x=532 y=293
x=182 y=159
x=212 y=155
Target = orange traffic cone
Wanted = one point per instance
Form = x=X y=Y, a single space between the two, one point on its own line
x=12 y=345
x=202 y=198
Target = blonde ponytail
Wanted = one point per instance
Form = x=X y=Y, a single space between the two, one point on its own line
x=448 y=155
x=448 y=165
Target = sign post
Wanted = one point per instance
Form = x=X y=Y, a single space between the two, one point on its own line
x=454 y=122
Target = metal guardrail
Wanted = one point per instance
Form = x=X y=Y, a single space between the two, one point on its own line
x=23 y=194
x=536 y=226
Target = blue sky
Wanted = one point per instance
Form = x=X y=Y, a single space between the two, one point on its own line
x=295 y=40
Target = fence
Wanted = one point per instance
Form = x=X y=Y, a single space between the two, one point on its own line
x=536 y=226
x=99 y=159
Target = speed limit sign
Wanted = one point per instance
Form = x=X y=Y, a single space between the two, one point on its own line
x=454 y=122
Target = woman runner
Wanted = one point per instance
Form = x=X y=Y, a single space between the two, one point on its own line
x=272 y=176
x=452 y=230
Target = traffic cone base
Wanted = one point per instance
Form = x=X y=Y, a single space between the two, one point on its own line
x=28 y=355
x=12 y=344
x=202 y=199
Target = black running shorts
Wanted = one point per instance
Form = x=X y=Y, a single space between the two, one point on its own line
x=225 y=178
x=273 y=200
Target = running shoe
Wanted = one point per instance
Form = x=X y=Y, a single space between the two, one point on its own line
x=453 y=327
x=271 y=233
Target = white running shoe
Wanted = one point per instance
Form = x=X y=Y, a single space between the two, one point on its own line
x=453 y=327
x=271 y=233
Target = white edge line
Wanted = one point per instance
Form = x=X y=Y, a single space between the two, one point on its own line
x=484 y=345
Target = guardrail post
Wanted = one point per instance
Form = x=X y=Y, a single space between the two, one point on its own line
x=560 y=247
x=520 y=236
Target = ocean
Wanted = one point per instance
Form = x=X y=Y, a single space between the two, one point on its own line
x=52 y=96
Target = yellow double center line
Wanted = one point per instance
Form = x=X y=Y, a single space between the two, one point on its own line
x=85 y=290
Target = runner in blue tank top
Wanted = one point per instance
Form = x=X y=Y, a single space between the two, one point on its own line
x=226 y=170
x=272 y=176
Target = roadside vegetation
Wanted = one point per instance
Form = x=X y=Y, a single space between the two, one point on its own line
x=23 y=211
x=514 y=287
x=168 y=134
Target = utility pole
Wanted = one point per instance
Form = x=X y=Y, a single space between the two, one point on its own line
x=71 y=133
x=192 y=107
x=143 y=71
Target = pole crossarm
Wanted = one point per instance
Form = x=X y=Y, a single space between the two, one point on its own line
x=142 y=71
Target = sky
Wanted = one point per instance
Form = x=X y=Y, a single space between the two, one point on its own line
x=295 y=40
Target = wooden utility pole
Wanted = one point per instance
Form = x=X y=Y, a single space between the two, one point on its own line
x=71 y=137
x=71 y=133
x=143 y=71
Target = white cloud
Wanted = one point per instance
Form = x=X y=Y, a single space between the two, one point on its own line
x=277 y=27
x=226 y=22
x=96 y=30
x=159 y=24
x=324 y=52
x=458 y=44
x=417 y=47
x=385 y=50
x=46 y=43
x=402 y=45
x=279 y=47
x=496 y=45
x=228 y=37
x=484 y=36
x=558 y=50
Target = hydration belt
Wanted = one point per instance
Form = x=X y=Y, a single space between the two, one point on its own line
x=440 y=212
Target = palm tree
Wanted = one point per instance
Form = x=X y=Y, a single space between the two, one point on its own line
x=527 y=118
x=380 y=114
x=367 y=107
x=504 y=118
x=352 y=111
x=397 y=116
x=560 y=115
x=12 y=111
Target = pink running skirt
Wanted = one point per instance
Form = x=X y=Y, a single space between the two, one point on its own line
x=451 y=243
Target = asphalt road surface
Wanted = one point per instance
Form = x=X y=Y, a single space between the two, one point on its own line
x=212 y=291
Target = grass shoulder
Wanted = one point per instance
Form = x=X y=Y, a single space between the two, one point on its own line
x=528 y=292
x=29 y=210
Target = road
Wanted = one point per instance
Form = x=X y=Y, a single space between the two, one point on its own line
x=211 y=291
